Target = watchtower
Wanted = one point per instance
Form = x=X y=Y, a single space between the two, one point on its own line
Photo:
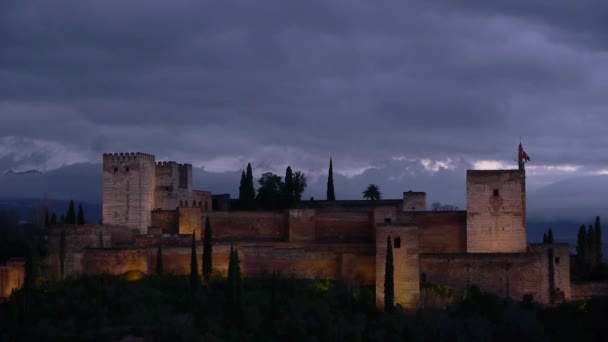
x=128 y=189
x=496 y=210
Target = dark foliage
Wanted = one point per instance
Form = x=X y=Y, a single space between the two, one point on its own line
x=111 y=308
x=207 y=251
x=159 y=260
x=62 y=251
x=195 y=280
x=269 y=193
x=589 y=258
x=249 y=193
x=331 y=195
x=389 y=278
x=70 y=216
x=288 y=197
x=80 y=218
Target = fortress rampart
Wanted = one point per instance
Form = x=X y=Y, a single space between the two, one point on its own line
x=147 y=204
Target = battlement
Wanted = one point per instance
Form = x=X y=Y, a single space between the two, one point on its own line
x=126 y=157
x=167 y=165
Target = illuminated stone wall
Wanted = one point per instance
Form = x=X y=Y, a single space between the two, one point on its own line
x=496 y=211
x=504 y=274
x=128 y=189
x=190 y=220
x=405 y=260
x=438 y=231
x=12 y=276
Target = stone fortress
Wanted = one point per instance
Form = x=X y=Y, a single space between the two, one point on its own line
x=146 y=204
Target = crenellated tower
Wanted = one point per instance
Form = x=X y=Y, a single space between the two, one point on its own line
x=129 y=181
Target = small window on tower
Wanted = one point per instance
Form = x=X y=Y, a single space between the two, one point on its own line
x=115 y=169
x=496 y=192
x=557 y=261
x=397 y=242
x=127 y=169
x=387 y=220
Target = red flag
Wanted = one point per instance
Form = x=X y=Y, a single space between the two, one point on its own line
x=525 y=156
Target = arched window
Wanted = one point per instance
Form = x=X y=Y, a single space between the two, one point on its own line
x=206 y=206
x=186 y=203
x=181 y=203
x=193 y=204
x=200 y=204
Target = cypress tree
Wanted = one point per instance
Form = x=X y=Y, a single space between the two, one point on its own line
x=47 y=221
x=234 y=292
x=288 y=189
x=545 y=237
x=194 y=278
x=80 y=220
x=581 y=248
x=159 y=260
x=207 y=251
x=250 y=190
x=62 y=254
x=597 y=239
x=100 y=238
x=31 y=267
x=590 y=252
x=242 y=190
x=331 y=196
x=70 y=217
x=53 y=219
x=550 y=236
x=389 y=280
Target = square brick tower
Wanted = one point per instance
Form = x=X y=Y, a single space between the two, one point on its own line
x=496 y=210
x=128 y=189
x=404 y=240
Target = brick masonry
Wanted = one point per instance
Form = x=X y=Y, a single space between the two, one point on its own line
x=405 y=260
x=496 y=211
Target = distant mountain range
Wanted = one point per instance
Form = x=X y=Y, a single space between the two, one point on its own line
x=28 y=172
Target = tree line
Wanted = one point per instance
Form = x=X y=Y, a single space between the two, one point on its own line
x=70 y=216
x=589 y=258
x=274 y=192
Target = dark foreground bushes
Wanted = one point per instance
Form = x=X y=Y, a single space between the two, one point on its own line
x=279 y=309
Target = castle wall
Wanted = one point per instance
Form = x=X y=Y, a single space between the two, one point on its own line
x=302 y=223
x=557 y=266
x=190 y=221
x=505 y=274
x=128 y=189
x=167 y=183
x=114 y=261
x=301 y=261
x=344 y=225
x=166 y=220
x=414 y=201
x=496 y=211
x=249 y=225
x=405 y=261
x=12 y=276
x=195 y=199
x=588 y=290
x=438 y=231
x=77 y=239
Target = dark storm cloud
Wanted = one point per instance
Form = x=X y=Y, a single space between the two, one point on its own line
x=281 y=82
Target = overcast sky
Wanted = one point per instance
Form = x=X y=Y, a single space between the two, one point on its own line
x=405 y=94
